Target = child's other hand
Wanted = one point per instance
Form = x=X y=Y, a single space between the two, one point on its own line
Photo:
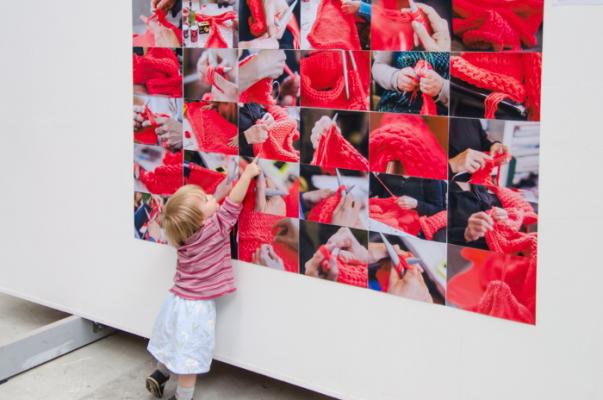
x=252 y=170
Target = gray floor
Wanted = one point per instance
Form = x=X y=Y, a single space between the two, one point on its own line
x=115 y=368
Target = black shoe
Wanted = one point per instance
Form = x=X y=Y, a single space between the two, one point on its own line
x=156 y=382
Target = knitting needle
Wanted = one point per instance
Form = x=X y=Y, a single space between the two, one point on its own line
x=390 y=250
x=286 y=15
x=345 y=74
x=384 y=185
x=414 y=9
x=335 y=118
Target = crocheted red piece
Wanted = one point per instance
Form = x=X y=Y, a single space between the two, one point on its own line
x=212 y=131
x=147 y=39
x=389 y=212
x=215 y=38
x=515 y=76
x=260 y=92
x=159 y=70
x=207 y=179
x=495 y=284
x=324 y=209
x=497 y=25
x=257 y=22
x=323 y=83
x=332 y=29
x=391 y=28
x=147 y=135
x=408 y=140
x=350 y=272
x=282 y=135
x=166 y=178
x=334 y=151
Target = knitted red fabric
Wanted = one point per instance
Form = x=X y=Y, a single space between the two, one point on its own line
x=323 y=83
x=497 y=25
x=260 y=92
x=429 y=105
x=159 y=70
x=257 y=22
x=166 y=178
x=212 y=131
x=383 y=274
x=390 y=213
x=408 y=140
x=207 y=179
x=324 y=209
x=433 y=223
x=292 y=200
x=334 y=151
x=391 y=29
x=215 y=38
x=147 y=135
x=332 y=29
x=279 y=144
x=515 y=76
x=147 y=39
x=350 y=272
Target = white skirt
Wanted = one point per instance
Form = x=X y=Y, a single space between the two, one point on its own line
x=183 y=337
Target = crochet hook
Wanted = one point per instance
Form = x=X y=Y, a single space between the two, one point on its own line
x=345 y=74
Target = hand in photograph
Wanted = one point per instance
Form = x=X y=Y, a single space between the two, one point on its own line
x=350 y=6
x=169 y=131
x=432 y=83
x=351 y=249
x=478 y=225
x=263 y=42
x=266 y=64
x=163 y=5
x=468 y=161
x=319 y=128
x=499 y=148
x=287 y=234
x=410 y=286
x=440 y=39
x=347 y=212
x=407 y=202
x=311 y=198
x=268 y=204
x=407 y=80
x=313 y=267
x=164 y=36
x=139 y=121
x=266 y=256
x=378 y=251
x=225 y=58
x=275 y=9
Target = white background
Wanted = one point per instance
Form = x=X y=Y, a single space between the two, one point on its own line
x=66 y=230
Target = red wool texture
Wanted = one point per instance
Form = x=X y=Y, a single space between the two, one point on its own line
x=282 y=135
x=391 y=28
x=383 y=274
x=324 y=209
x=332 y=29
x=323 y=83
x=212 y=131
x=207 y=179
x=429 y=104
x=408 y=140
x=389 y=212
x=258 y=26
x=166 y=178
x=215 y=39
x=260 y=92
x=147 y=135
x=159 y=71
x=350 y=272
x=514 y=76
x=498 y=25
x=147 y=39
x=334 y=151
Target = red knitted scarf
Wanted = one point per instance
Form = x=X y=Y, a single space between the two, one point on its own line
x=212 y=131
x=334 y=151
x=497 y=25
x=166 y=178
x=159 y=70
x=350 y=272
x=391 y=29
x=257 y=22
x=408 y=140
x=279 y=144
x=323 y=83
x=147 y=39
x=332 y=29
x=514 y=76
x=215 y=38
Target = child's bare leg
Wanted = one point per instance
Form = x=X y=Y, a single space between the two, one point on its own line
x=186 y=387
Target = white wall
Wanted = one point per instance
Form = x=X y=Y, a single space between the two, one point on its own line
x=66 y=231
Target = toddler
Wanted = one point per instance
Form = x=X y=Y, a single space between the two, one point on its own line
x=183 y=336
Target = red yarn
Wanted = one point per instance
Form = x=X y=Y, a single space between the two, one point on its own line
x=408 y=140
x=323 y=82
x=332 y=29
x=147 y=135
x=389 y=212
x=429 y=105
x=207 y=179
x=334 y=151
x=324 y=209
x=215 y=38
x=514 y=76
x=257 y=22
x=391 y=29
x=383 y=275
x=166 y=178
x=147 y=39
x=292 y=200
x=498 y=25
x=433 y=223
x=159 y=70
x=260 y=92
x=282 y=135
x=350 y=272
x=212 y=131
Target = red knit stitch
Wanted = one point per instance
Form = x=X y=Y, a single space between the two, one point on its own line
x=408 y=140
x=281 y=136
x=515 y=76
x=215 y=38
x=496 y=25
x=323 y=210
x=147 y=135
x=147 y=39
x=257 y=22
x=332 y=29
x=159 y=70
x=389 y=212
x=334 y=151
x=207 y=179
x=323 y=83
x=260 y=92
x=433 y=223
x=212 y=131
x=166 y=178
x=391 y=29
x=292 y=200
x=350 y=272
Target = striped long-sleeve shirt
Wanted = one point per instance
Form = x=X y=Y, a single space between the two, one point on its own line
x=204 y=269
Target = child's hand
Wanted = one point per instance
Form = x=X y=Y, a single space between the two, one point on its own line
x=252 y=170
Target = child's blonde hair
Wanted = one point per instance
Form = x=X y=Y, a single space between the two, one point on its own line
x=182 y=216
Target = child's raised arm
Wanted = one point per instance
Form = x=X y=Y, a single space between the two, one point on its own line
x=237 y=194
